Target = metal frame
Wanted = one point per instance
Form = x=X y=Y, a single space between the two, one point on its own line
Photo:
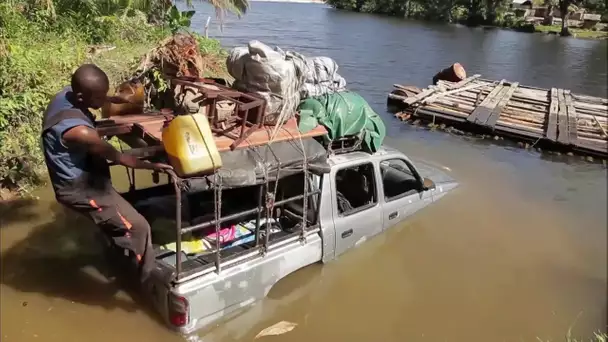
x=265 y=204
x=244 y=104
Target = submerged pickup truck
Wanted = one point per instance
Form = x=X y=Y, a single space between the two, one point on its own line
x=299 y=218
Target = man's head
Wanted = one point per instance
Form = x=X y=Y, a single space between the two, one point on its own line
x=90 y=86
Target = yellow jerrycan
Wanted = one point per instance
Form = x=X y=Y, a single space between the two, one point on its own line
x=189 y=143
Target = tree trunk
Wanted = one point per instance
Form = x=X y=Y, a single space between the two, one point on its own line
x=448 y=11
x=475 y=17
x=490 y=12
x=565 y=30
x=564 y=5
x=359 y=5
x=549 y=16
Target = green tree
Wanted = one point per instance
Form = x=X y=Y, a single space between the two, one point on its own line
x=177 y=20
x=126 y=7
x=493 y=7
x=565 y=8
x=596 y=6
x=475 y=12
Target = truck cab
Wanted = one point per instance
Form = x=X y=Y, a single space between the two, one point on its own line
x=371 y=193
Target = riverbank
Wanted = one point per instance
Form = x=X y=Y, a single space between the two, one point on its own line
x=487 y=18
x=550 y=30
x=293 y=1
x=38 y=54
x=576 y=32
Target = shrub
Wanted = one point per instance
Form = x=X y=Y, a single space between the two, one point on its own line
x=37 y=55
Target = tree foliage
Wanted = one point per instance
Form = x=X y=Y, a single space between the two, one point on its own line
x=43 y=41
x=472 y=12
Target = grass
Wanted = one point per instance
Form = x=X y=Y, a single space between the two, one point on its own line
x=37 y=57
x=577 y=32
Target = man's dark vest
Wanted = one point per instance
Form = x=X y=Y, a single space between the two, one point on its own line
x=96 y=173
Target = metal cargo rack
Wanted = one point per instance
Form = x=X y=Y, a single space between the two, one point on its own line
x=266 y=203
x=245 y=131
x=265 y=207
x=345 y=144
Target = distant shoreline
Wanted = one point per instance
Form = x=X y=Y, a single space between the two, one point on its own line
x=293 y=1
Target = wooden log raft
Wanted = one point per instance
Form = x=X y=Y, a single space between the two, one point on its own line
x=552 y=118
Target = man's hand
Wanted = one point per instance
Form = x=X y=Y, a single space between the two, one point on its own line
x=161 y=166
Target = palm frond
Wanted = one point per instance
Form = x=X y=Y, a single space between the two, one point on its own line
x=113 y=7
x=238 y=7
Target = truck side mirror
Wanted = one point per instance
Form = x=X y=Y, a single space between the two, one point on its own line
x=427 y=184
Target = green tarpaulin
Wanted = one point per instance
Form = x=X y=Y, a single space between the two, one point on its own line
x=343 y=114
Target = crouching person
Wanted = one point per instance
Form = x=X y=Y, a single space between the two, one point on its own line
x=76 y=158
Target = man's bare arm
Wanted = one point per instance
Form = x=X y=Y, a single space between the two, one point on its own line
x=86 y=138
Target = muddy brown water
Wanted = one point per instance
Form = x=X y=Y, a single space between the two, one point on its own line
x=517 y=252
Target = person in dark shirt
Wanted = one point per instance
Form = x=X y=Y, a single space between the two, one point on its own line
x=76 y=158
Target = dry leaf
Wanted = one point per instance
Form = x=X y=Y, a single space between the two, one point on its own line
x=277 y=329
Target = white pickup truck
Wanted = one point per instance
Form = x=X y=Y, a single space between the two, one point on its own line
x=356 y=196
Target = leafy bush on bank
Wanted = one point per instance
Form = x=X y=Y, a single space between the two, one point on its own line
x=38 y=52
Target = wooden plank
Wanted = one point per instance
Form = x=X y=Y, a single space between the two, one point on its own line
x=289 y=131
x=591 y=99
x=519 y=132
x=593 y=146
x=455 y=104
x=572 y=118
x=486 y=106
x=536 y=110
x=580 y=111
x=562 y=119
x=430 y=114
x=521 y=88
x=483 y=117
x=538 y=105
x=450 y=111
x=405 y=87
x=413 y=99
x=592 y=106
x=597 y=122
x=397 y=97
x=439 y=95
x=598 y=110
x=551 y=129
x=466 y=81
x=526 y=130
x=439 y=89
x=501 y=105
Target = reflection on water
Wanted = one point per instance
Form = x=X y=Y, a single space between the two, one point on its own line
x=517 y=252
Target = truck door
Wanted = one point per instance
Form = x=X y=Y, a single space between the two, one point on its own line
x=401 y=192
x=356 y=209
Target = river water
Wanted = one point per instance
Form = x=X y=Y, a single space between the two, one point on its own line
x=517 y=253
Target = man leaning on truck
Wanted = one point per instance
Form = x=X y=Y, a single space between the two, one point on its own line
x=76 y=158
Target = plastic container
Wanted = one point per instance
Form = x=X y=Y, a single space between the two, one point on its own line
x=130 y=91
x=189 y=143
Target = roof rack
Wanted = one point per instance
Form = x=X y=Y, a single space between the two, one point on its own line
x=346 y=144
